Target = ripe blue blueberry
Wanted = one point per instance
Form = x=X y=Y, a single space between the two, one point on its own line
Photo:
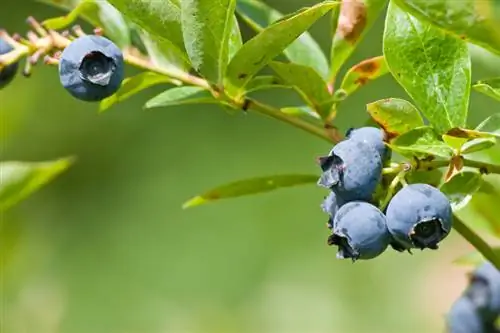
x=352 y=170
x=464 y=318
x=8 y=72
x=359 y=231
x=419 y=216
x=484 y=290
x=91 y=68
x=331 y=205
x=372 y=136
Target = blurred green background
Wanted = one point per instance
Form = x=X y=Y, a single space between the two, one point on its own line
x=106 y=247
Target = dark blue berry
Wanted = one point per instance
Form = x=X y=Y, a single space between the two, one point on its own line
x=419 y=216
x=8 y=72
x=464 y=318
x=359 y=231
x=91 y=68
x=352 y=170
x=372 y=136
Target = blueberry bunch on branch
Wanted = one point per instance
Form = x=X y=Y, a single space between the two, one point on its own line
x=478 y=308
x=410 y=216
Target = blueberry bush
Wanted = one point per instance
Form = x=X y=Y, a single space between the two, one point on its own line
x=379 y=179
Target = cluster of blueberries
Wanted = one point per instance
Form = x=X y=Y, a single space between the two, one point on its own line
x=91 y=68
x=478 y=308
x=418 y=215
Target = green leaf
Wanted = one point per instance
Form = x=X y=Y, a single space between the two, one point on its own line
x=269 y=43
x=461 y=187
x=362 y=73
x=164 y=54
x=396 y=116
x=235 y=38
x=162 y=19
x=303 y=51
x=421 y=140
x=265 y=82
x=308 y=84
x=251 y=186
x=20 y=179
x=181 y=96
x=472 y=20
x=355 y=19
x=454 y=142
x=476 y=145
x=133 y=85
x=98 y=13
x=298 y=111
x=489 y=87
x=207 y=26
x=431 y=65
x=490 y=125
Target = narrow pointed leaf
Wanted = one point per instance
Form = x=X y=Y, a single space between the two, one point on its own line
x=396 y=116
x=355 y=19
x=422 y=140
x=308 y=84
x=181 y=96
x=159 y=18
x=461 y=188
x=299 y=111
x=265 y=82
x=235 y=38
x=489 y=128
x=476 y=145
x=251 y=186
x=436 y=77
x=20 y=179
x=133 y=85
x=207 y=26
x=269 y=43
x=490 y=87
x=362 y=73
x=304 y=50
x=472 y=20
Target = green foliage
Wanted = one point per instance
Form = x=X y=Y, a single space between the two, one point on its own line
x=20 y=179
x=421 y=141
x=256 y=53
x=396 y=116
x=308 y=84
x=180 y=96
x=207 y=26
x=461 y=187
x=489 y=87
x=303 y=51
x=471 y=20
x=251 y=186
x=132 y=86
x=437 y=78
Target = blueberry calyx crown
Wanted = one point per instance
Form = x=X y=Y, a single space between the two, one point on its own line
x=345 y=249
x=97 y=68
x=427 y=234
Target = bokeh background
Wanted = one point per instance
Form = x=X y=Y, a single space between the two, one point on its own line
x=106 y=248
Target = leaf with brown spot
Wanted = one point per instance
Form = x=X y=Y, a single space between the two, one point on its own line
x=456 y=165
x=251 y=186
x=355 y=19
x=364 y=72
x=396 y=116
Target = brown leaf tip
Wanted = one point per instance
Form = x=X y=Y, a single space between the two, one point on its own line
x=352 y=20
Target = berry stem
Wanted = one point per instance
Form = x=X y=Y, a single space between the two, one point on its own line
x=431 y=165
x=476 y=241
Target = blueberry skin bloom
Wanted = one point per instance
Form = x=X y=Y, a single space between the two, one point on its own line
x=419 y=216
x=464 y=318
x=8 y=72
x=91 y=68
x=372 y=136
x=330 y=206
x=352 y=170
x=359 y=231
